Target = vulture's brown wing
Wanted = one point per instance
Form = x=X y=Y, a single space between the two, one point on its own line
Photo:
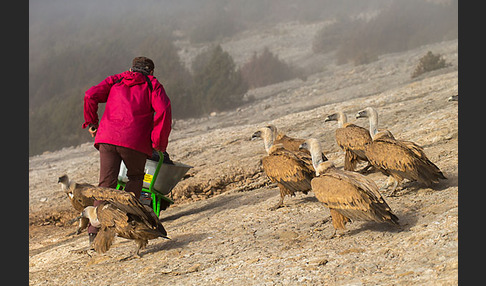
x=128 y=225
x=287 y=169
x=113 y=221
x=389 y=155
x=289 y=143
x=353 y=137
x=352 y=195
x=109 y=215
x=405 y=158
x=418 y=150
x=123 y=200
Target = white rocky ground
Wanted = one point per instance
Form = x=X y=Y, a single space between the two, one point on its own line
x=221 y=230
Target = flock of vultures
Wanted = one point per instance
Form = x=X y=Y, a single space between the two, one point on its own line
x=295 y=165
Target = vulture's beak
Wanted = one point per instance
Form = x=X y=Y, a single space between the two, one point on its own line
x=303 y=146
x=361 y=114
x=256 y=135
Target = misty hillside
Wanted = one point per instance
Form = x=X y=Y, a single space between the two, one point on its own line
x=76 y=44
x=222 y=231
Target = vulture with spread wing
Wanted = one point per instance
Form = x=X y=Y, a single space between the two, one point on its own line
x=120 y=214
x=352 y=139
x=398 y=159
x=291 y=171
x=348 y=195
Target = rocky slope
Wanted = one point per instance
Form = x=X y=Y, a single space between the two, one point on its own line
x=221 y=230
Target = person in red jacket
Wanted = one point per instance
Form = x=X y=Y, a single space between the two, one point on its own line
x=137 y=120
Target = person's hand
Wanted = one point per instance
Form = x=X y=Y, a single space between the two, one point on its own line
x=155 y=155
x=92 y=130
x=167 y=159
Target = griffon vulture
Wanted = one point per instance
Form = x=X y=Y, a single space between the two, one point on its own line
x=352 y=139
x=112 y=221
x=348 y=195
x=398 y=159
x=120 y=213
x=291 y=171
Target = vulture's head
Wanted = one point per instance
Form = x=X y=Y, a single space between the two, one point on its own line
x=65 y=185
x=256 y=135
x=267 y=134
x=332 y=117
x=64 y=181
x=366 y=113
x=339 y=116
x=314 y=148
x=312 y=145
x=264 y=132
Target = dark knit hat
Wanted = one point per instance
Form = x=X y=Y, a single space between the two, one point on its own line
x=143 y=65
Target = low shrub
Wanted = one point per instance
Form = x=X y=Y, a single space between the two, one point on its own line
x=429 y=62
x=267 y=68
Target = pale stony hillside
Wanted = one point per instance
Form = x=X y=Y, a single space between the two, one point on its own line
x=221 y=230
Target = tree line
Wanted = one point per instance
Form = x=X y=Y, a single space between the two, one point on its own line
x=73 y=45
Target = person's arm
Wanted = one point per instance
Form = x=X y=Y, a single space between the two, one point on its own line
x=162 y=119
x=93 y=96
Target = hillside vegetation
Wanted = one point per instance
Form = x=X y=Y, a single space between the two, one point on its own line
x=74 y=45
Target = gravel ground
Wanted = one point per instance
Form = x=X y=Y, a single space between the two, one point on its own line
x=221 y=230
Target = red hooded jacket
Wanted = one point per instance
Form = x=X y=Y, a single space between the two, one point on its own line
x=135 y=117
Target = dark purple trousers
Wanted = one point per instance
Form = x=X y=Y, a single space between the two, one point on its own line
x=111 y=157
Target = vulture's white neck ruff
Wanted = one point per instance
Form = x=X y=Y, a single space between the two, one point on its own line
x=316 y=152
x=373 y=117
x=268 y=138
x=342 y=118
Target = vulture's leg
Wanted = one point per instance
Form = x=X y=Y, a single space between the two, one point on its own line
x=279 y=204
x=83 y=224
x=394 y=188
x=348 y=161
x=366 y=169
x=391 y=181
x=338 y=222
x=387 y=184
x=140 y=244
x=333 y=234
x=83 y=250
x=319 y=224
x=336 y=233
x=326 y=220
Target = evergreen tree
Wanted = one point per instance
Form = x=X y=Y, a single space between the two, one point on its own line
x=267 y=69
x=218 y=85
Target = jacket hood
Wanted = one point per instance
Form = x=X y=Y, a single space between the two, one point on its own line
x=133 y=78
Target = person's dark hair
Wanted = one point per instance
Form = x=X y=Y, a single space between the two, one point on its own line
x=143 y=65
